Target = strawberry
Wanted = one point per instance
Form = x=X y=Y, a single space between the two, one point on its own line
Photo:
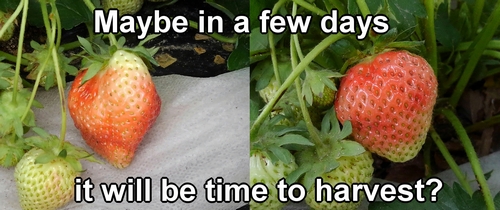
x=115 y=108
x=9 y=31
x=125 y=7
x=389 y=98
x=351 y=169
x=325 y=99
x=45 y=175
x=265 y=171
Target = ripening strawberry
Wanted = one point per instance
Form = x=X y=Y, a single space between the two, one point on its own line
x=44 y=186
x=389 y=98
x=125 y=7
x=351 y=169
x=115 y=108
x=263 y=170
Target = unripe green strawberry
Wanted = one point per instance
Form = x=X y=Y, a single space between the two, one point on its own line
x=270 y=90
x=125 y=7
x=263 y=170
x=351 y=169
x=389 y=98
x=325 y=99
x=44 y=186
x=10 y=30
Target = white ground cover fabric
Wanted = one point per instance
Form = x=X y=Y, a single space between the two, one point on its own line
x=202 y=133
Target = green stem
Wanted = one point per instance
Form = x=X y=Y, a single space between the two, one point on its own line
x=492 y=44
x=430 y=36
x=471 y=154
x=35 y=87
x=492 y=53
x=310 y=7
x=479 y=44
x=295 y=73
x=449 y=159
x=363 y=7
x=13 y=58
x=272 y=47
x=45 y=16
x=476 y=14
x=112 y=38
x=313 y=132
x=11 y=18
x=483 y=124
x=294 y=51
x=216 y=36
x=20 y=49
x=427 y=158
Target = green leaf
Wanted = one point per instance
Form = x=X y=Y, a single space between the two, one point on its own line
x=402 y=13
x=294 y=139
x=87 y=46
x=496 y=200
x=231 y=8
x=45 y=158
x=41 y=132
x=18 y=127
x=148 y=38
x=92 y=70
x=74 y=163
x=239 y=58
x=9 y=5
x=350 y=148
x=71 y=13
x=144 y=53
x=295 y=175
x=4 y=84
x=446 y=33
x=281 y=154
x=63 y=153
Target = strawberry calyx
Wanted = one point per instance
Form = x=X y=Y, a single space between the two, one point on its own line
x=99 y=54
x=42 y=66
x=51 y=145
x=12 y=149
x=315 y=161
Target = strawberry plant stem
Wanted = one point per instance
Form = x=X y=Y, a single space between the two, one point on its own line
x=430 y=36
x=449 y=159
x=313 y=133
x=479 y=44
x=310 y=7
x=20 y=49
x=295 y=73
x=476 y=14
x=471 y=154
x=11 y=18
x=112 y=38
x=216 y=36
x=12 y=58
x=294 y=51
x=483 y=124
x=35 y=86
x=492 y=44
x=272 y=48
x=363 y=8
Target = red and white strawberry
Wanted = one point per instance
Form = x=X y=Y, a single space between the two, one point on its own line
x=389 y=98
x=115 y=108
